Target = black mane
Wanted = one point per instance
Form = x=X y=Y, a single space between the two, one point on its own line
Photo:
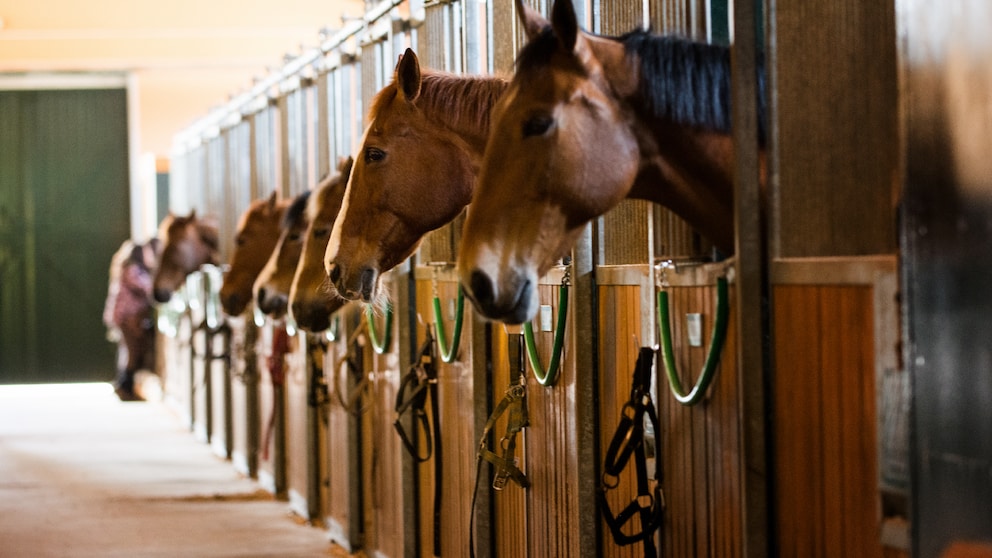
x=684 y=81
x=296 y=210
x=688 y=82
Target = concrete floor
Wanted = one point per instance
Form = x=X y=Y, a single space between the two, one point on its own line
x=85 y=475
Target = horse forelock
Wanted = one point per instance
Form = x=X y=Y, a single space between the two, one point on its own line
x=685 y=81
x=296 y=211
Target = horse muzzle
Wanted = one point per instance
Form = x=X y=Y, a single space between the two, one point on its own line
x=514 y=302
x=271 y=303
x=358 y=286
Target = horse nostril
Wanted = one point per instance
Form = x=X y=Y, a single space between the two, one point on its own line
x=162 y=295
x=261 y=296
x=482 y=288
x=334 y=273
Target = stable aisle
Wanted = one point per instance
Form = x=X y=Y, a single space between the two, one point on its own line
x=85 y=475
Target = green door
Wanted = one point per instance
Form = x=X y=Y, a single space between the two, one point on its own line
x=63 y=212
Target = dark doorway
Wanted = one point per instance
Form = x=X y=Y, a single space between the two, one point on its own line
x=63 y=212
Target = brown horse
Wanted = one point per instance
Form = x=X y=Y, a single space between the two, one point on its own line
x=312 y=300
x=258 y=232
x=271 y=288
x=588 y=121
x=189 y=242
x=414 y=173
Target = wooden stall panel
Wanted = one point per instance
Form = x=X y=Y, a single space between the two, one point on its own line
x=343 y=506
x=511 y=523
x=701 y=445
x=542 y=520
x=382 y=477
x=271 y=463
x=244 y=396
x=834 y=341
x=297 y=447
x=458 y=443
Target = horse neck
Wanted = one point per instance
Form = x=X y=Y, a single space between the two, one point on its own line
x=691 y=172
x=461 y=104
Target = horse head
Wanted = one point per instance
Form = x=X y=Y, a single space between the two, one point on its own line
x=271 y=288
x=257 y=234
x=414 y=172
x=188 y=243
x=312 y=299
x=556 y=158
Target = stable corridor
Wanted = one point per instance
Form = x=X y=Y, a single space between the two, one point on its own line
x=85 y=475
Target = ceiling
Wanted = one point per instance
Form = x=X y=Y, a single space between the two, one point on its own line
x=183 y=57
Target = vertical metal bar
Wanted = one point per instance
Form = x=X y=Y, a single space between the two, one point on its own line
x=584 y=310
x=752 y=322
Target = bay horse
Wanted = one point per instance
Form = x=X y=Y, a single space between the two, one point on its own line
x=414 y=173
x=271 y=288
x=257 y=234
x=586 y=122
x=188 y=243
x=312 y=299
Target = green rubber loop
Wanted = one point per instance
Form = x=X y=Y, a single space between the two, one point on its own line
x=449 y=354
x=718 y=336
x=380 y=347
x=550 y=376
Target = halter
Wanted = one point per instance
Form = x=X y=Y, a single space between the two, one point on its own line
x=631 y=440
x=354 y=368
x=515 y=402
x=423 y=375
x=717 y=338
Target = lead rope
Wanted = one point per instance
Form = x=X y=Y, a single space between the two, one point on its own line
x=277 y=374
x=423 y=374
x=515 y=402
x=630 y=441
x=353 y=363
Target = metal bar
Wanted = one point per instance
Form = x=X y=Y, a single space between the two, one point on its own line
x=752 y=321
x=292 y=67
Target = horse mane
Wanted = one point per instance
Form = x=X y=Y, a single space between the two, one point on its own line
x=463 y=102
x=688 y=82
x=296 y=210
x=685 y=81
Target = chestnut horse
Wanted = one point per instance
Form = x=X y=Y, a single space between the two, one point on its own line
x=188 y=243
x=258 y=232
x=312 y=300
x=271 y=288
x=588 y=121
x=414 y=173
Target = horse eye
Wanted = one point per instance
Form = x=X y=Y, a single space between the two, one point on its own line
x=537 y=125
x=373 y=155
x=321 y=233
x=239 y=241
x=294 y=237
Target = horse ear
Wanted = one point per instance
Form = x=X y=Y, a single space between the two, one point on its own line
x=209 y=234
x=408 y=75
x=533 y=22
x=344 y=164
x=273 y=199
x=565 y=23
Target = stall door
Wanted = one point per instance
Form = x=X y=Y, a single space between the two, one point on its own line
x=63 y=213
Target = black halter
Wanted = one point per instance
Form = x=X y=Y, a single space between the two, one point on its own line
x=630 y=440
x=422 y=378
